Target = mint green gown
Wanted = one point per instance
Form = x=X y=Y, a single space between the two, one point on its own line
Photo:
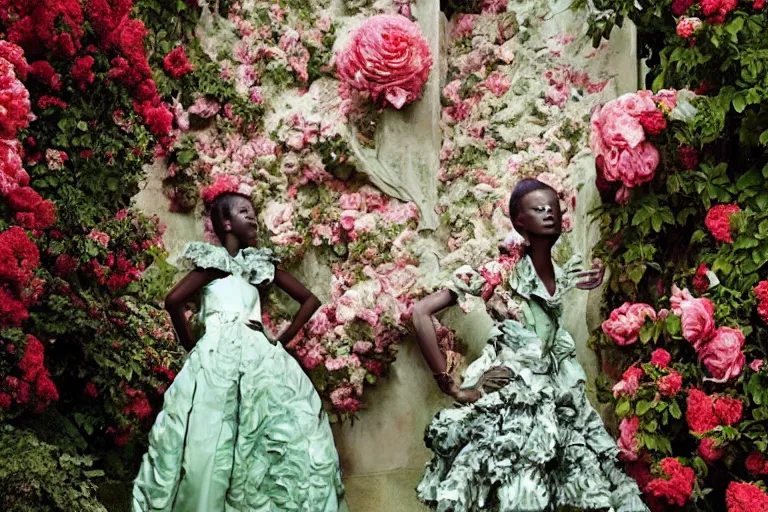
x=242 y=427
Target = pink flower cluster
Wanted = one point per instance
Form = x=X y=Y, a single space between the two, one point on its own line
x=686 y=27
x=624 y=323
x=718 y=221
x=761 y=292
x=719 y=350
x=618 y=139
x=387 y=57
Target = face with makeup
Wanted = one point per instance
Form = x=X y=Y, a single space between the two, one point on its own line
x=239 y=219
x=538 y=214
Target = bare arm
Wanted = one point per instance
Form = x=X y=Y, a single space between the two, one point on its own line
x=425 y=329
x=492 y=380
x=181 y=294
x=299 y=293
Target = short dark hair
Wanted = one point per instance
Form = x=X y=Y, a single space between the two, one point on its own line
x=220 y=210
x=522 y=189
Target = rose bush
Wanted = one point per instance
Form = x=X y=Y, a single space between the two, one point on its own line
x=699 y=220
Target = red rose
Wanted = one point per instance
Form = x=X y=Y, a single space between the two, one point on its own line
x=669 y=385
x=679 y=7
x=678 y=487
x=729 y=410
x=653 y=122
x=700 y=412
x=90 y=390
x=661 y=358
x=700 y=280
x=81 y=72
x=5 y=400
x=744 y=497
x=387 y=57
x=43 y=72
x=761 y=290
x=709 y=450
x=688 y=157
x=176 y=63
x=756 y=464
x=758 y=4
x=157 y=118
x=15 y=55
x=718 y=221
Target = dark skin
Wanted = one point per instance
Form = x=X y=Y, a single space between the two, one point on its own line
x=239 y=233
x=539 y=221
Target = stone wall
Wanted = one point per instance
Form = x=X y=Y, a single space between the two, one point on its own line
x=382 y=451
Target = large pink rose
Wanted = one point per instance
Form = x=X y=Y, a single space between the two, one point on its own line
x=388 y=57
x=624 y=323
x=698 y=322
x=628 y=443
x=636 y=103
x=722 y=356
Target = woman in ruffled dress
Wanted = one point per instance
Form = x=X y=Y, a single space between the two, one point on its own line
x=242 y=427
x=523 y=437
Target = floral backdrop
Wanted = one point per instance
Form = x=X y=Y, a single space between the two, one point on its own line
x=682 y=170
x=267 y=99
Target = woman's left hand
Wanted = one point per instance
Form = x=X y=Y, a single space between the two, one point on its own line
x=592 y=278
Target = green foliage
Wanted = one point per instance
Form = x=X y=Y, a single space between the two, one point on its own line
x=39 y=477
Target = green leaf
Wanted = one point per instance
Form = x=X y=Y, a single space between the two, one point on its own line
x=642 y=407
x=764 y=138
x=622 y=408
x=753 y=178
x=674 y=409
x=82 y=126
x=739 y=103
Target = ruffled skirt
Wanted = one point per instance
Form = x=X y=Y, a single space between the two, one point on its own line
x=242 y=429
x=535 y=445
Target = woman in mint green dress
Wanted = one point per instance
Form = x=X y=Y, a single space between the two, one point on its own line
x=242 y=428
x=524 y=438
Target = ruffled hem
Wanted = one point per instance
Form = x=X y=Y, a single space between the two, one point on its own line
x=528 y=447
x=250 y=439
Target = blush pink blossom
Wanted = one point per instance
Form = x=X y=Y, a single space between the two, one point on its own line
x=204 y=107
x=687 y=26
x=498 y=83
x=628 y=443
x=624 y=324
x=722 y=355
x=99 y=237
x=319 y=324
x=756 y=365
x=388 y=57
x=348 y=218
x=351 y=201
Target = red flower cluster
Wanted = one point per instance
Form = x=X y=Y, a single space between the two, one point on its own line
x=677 y=487
x=56 y=25
x=679 y=7
x=32 y=211
x=742 y=497
x=176 y=63
x=709 y=450
x=717 y=9
x=46 y=101
x=138 y=406
x=756 y=464
x=15 y=55
x=718 y=221
x=223 y=183
x=117 y=273
x=700 y=280
x=18 y=259
x=81 y=72
x=14 y=102
x=653 y=122
x=35 y=372
x=761 y=292
x=705 y=412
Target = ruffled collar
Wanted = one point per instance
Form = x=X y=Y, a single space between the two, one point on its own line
x=256 y=265
x=526 y=282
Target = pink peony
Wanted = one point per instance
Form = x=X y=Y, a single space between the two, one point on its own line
x=718 y=221
x=498 y=83
x=687 y=26
x=204 y=107
x=388 y=57
x=722 y=356
x=629 y=383
x=628 y=442
x=745 y=497
x=661 y=358
x=100 y=237
x=624 y=323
